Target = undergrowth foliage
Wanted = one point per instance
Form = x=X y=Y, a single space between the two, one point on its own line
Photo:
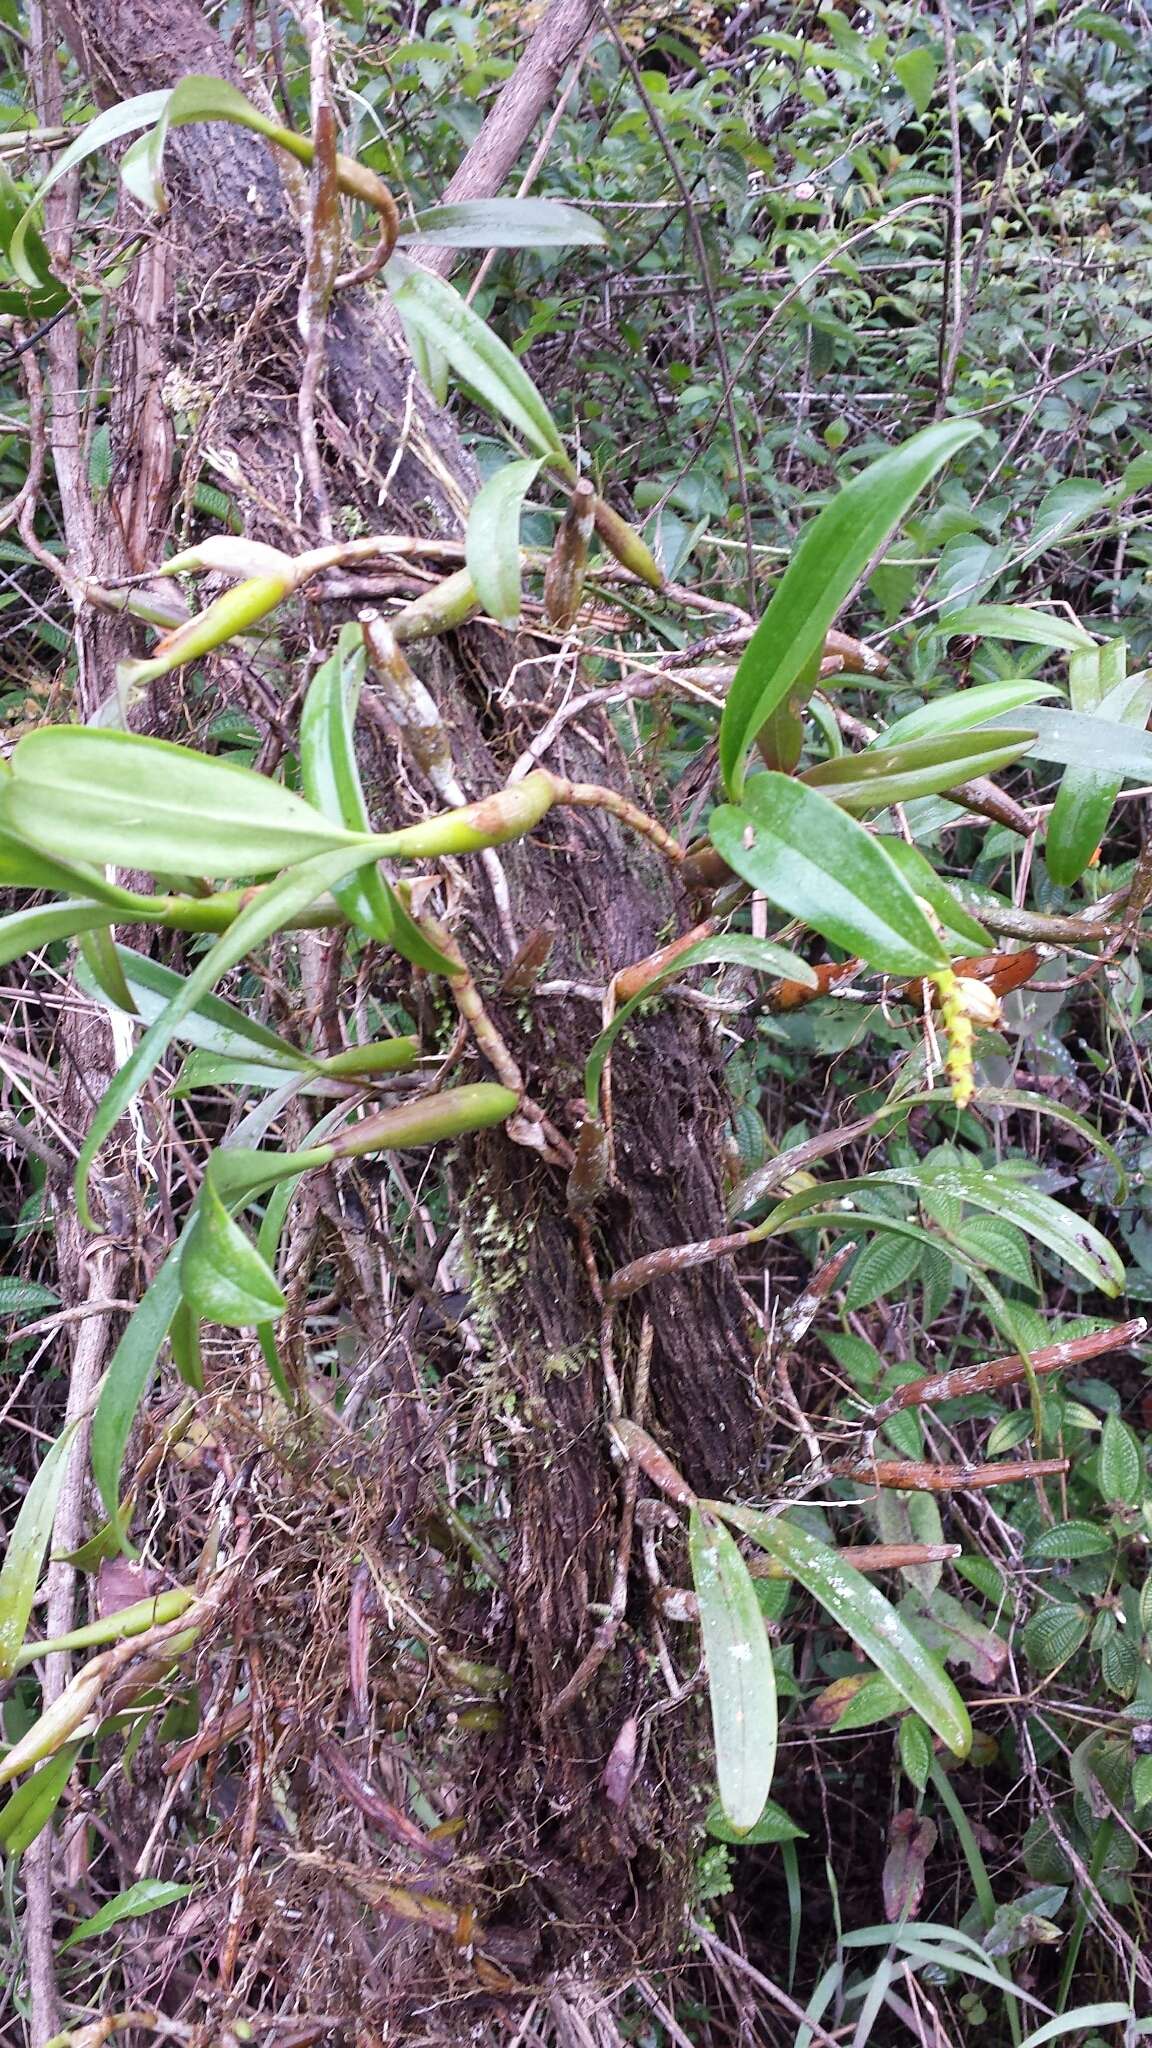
x=777 y=354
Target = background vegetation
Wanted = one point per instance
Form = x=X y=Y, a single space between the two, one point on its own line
x=421 y=1746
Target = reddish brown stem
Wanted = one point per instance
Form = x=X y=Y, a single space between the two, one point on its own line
x=910 y=1476
x=1005 y=1372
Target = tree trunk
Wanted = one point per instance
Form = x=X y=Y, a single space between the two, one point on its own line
x=587 y=1878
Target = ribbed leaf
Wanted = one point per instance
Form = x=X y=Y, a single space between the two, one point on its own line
x=818 y=864
x=741 y=1680
x=832 y=556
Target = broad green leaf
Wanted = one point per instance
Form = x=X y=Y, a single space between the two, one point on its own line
x=27 y=1813
x=126 y=118
x=480 y=359
x=1020 y=622
x=1086 y=795
x=915 y=1750
x=924 y=882
x=506 y=224
x=492 y=541
x=145 y=1897
x=859 y=1607
x=818 y=864
x=223 y=1275
x=881 y=776
x=730 y=949
x=832 y=556
x=1121 y=1462
x=773 y=1825
x=961 y=710
x=127 y=1379
x=214 y=1025
x=331 y=778
x=27 y=1545
x=273 y=907
x=917 y=70
x=741 y=1680
x=139 y=802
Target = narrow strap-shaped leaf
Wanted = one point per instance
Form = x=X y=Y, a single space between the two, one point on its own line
x=275 y=906
x=215 y=1025
x=818 y=864
x=27 y=1813
x=833 y=553
x=506 y=224
x=126 y=118
x=741 y=1680
x=963 y=710
x=1022 y=622
x=331 y=778
x=867 y=1617
x=145 y=1897
x=448 y=324
x=27 y=1544
x=129 y=1373
x=881 y=776
x=22 y=931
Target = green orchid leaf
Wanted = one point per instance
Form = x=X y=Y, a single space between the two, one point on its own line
x=492 y=541
x=223 y=1275
x=832 y=556
x=331 y=779
x=818 y=864
x=741 y=1679
x=882 y=776
x=861 y=1610
x=139 y=802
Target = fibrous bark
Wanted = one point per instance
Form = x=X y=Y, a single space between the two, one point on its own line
x=228 y=256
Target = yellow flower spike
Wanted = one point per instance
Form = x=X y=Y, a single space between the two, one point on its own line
x=963 y=1003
